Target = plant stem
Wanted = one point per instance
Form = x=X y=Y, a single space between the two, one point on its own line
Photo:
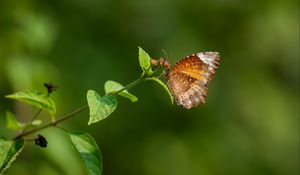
x=66 y=117
x=77 y=111
x=37 y=114
x=39 y=111
x=130 y=85
x=142 y=78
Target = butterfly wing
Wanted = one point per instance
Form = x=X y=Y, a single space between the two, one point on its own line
x=188 y=79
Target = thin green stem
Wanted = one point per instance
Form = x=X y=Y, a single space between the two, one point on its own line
x=130 y=85
x=37 y=114
x=35 y=117
x=142 y=78
x=63 y=118
x=39 y=111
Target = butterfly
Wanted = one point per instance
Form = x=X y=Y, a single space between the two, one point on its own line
x=189 y=77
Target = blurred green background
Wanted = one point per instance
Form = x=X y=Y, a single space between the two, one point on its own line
x=250 y=124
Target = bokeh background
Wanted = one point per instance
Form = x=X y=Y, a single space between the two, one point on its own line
x=250 y=124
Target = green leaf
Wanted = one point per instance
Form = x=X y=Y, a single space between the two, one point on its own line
x=100 y=107
x=112 y=86
x=11 y=122
x=144 y=60
x=9 y=150
x=87 y=149
x=164 y=86
x=36 y=99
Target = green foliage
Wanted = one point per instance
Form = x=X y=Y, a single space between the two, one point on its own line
x=111 y=87
x=36 y=99
x=88 y=151
x=100 y=107
x=249 y=125
x=144 y=60
x=13 y=124
x=9 y=150
x=163 y=85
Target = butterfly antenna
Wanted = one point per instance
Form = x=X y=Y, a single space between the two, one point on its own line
x=164 y=51
x=171 y=54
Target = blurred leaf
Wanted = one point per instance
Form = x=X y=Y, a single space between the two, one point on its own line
x=36 y=99
x=87 y=149
x=144 y=60
x=112 y=86
x=11 y=122
x=100 y=107
x=164 y=86
x=9 y=150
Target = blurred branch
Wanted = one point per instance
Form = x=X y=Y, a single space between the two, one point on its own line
x=66 y=117
x=77 y=111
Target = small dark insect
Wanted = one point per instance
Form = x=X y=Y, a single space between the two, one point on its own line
x=41 y=141
x=50 y=87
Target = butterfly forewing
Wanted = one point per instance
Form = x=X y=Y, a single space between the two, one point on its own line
x=188 y=79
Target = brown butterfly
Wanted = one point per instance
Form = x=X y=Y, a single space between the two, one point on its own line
x=188 y=79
